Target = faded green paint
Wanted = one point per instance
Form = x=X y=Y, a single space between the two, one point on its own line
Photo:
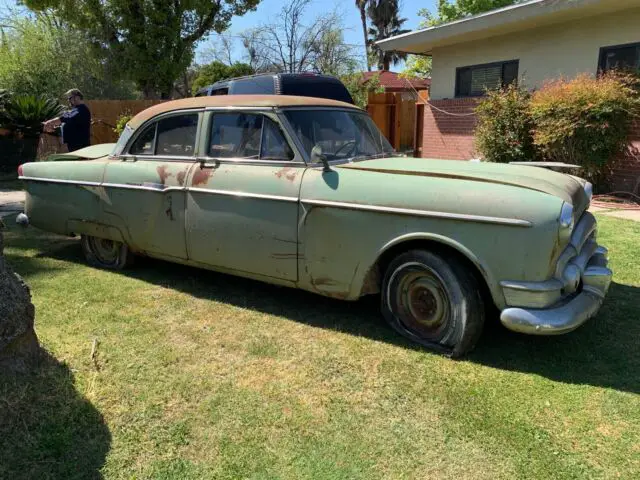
x=277 y=236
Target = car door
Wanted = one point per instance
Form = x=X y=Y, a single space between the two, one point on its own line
x=242 y=202
x=145 y=188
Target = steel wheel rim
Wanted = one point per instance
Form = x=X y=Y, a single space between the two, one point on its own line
x=423 y=305
x=106 y=251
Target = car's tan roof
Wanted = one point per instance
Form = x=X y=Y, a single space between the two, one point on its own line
x=235 y=101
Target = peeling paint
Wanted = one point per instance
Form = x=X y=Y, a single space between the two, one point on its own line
x=288 y=173
x=169 y=211
x=163 y=174
x=201 y=176
x=180 y=177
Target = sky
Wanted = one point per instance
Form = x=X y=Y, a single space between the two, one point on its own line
x=268 y=9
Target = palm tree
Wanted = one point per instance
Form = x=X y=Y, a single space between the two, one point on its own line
x=362 y=6
x=384 y=24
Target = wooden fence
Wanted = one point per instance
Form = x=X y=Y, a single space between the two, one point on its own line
x=395 y=114
x=398 y=115
x=104 y=116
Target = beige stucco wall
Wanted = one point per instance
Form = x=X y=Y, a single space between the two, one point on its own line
x=564 y=49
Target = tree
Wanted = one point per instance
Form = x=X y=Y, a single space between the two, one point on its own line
x=290 y=45
x=385 y=23
x=359 y=88
x=448 y=12
x=216 y=71
x=40 y=55
x=417 y=66
x=150 y=42
x=362 y=7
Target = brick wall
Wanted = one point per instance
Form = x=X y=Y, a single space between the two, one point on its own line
x=626 y=172
x=451 y=137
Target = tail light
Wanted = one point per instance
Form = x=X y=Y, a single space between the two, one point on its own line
x=20 y=171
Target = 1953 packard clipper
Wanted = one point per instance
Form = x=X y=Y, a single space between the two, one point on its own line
x=307 y=193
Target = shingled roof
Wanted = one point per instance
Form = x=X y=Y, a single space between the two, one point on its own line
x=393 y=82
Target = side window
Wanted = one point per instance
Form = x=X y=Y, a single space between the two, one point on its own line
x=145 y=142
x=247 y=135
x=177 y=135
x=274 y=145
x=235 y=135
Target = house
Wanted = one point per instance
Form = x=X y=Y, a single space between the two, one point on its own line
x=392 y=82
x=530 y=42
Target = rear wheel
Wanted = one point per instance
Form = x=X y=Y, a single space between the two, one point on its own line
x=434 y=302
x=104 y=253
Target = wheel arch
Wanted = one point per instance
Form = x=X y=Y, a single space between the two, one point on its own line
x=372 y=280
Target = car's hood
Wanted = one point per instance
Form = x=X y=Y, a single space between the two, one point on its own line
x=565 y=187
x=87 y=153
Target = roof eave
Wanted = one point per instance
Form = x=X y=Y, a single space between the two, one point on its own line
x=496 y=22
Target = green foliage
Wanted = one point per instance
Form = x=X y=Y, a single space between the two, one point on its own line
x=503 y=133
x=448 y=12
x=385 y=23
x=25 y=113
x=417 y=66
x=123 y=119
x=359 y=88
x=41 y=57
x=216 y=71
x=150 y=43
x=585 y=121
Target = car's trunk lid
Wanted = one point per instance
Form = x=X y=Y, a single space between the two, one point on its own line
x=88 y=153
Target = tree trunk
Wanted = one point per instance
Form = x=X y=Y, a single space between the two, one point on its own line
x=386 y=61
x=19 y=348
x=363 y=17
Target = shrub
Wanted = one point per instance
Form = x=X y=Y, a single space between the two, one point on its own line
x=584 y=121
x=503 y=133
x=123 y=119
x=25 y=113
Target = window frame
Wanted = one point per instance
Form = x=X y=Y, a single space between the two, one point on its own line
x=500 y=63
x=601 y=54
x=271 y=114
x=156 y=119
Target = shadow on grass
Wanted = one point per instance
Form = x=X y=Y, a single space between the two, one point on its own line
x=602 y=353
x=47 y=429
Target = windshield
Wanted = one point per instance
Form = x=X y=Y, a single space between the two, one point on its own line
x=122 y=141
x=341 y=134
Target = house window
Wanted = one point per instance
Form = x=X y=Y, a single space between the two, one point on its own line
x=620 y=57
x=474 y=80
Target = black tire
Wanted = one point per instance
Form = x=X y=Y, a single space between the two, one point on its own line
x=107 y=254
x=433 y=301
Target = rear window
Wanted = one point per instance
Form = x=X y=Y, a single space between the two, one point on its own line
x=255 y=85
x=311 y=86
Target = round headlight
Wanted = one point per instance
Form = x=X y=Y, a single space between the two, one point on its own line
x=566 y=216
x=588 y=190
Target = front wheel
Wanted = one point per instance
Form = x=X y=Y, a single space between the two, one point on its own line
x=103 y=253
x=434 y=302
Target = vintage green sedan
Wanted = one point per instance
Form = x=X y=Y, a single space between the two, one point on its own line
x=307 y=193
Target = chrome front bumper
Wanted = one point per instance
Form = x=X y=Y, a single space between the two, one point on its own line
x=571 y=297
x=569 y=315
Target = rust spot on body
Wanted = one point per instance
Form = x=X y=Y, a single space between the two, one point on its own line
x=288 y=173
x=201 y=176
x=180 y=177
x=163 y=174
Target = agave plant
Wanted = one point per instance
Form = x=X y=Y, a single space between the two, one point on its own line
x=25 y=113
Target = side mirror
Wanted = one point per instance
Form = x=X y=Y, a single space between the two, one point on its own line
x=317 y=156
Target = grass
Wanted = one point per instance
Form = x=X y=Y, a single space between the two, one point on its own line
x=201 y=375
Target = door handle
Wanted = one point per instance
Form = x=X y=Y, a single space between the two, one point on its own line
x=209 y=164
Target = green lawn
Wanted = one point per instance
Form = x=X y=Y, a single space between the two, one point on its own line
x=202 y=375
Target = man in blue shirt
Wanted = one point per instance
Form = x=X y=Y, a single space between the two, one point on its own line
x=75 y=123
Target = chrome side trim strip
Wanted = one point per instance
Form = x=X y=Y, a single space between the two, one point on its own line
x=420 y=213
x=149 y=187
x=231 y=193
x=59 y=180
